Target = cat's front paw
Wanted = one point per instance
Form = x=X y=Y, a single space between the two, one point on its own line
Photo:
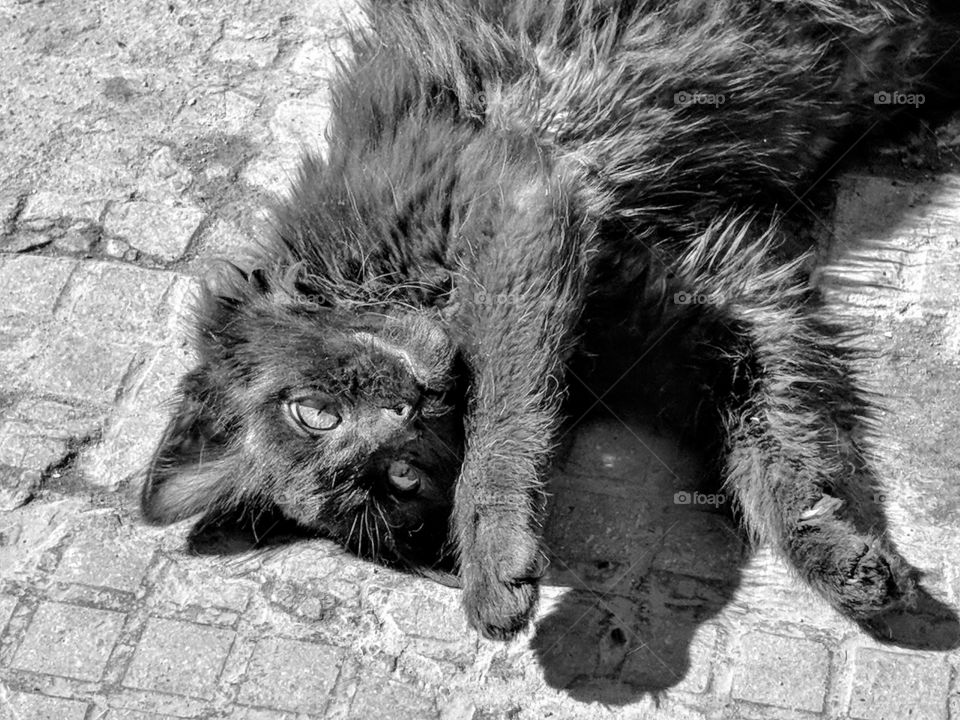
x=499 y=610
x=500 y=572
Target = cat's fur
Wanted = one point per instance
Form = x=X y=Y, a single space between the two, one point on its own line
x=501 y=178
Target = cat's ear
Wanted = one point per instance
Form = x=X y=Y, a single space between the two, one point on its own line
x=189 y=472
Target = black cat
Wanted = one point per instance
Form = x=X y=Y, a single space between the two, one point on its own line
x=503 y=178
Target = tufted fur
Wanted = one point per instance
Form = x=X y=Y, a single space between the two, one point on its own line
x=501 y=179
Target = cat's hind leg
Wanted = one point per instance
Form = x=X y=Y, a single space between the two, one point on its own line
x=794 y=424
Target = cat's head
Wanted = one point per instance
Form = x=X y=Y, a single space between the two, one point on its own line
x=347 y=419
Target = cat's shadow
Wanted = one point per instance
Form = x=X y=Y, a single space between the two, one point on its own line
x=644 y=547
x=645 y=552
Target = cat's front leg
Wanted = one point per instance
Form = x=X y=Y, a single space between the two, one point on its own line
x=516 y=360
x=497 y=507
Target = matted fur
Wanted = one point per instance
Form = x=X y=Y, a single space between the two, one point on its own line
x=501 y=177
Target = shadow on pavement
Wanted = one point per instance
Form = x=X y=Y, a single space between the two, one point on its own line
x=644 y=538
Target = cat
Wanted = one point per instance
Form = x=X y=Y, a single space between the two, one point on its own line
x=501 y=180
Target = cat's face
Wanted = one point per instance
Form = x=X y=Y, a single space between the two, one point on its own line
x=346 y=419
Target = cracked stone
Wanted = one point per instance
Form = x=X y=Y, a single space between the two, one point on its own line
x=8 y=209
x=44 y=209
x=155 y=229
x=37 y=433
x=164 y=179
x=17 y=488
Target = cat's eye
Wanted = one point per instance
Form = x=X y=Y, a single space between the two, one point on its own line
x=401 y=411
x=315 y=415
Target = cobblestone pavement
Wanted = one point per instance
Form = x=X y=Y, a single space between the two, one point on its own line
x=139 y=140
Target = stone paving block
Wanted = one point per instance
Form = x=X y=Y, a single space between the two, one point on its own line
x=302 y=122
x=7 y=604
x=124 y=714
x=258 y=53
x=290 y=675
x=80 y=367
x=316 y=58
x=190 y=581
x=249 y=713
x=180 y=658
x=248 y=44
x=135 y=429
x=432 y=612
x=9 y=202
x=273 y=171
x=32 y=530
x=27 y=706
x=69 y=640
x=37 y=432
x=112 y=301
x=378 y=695
x=105 y=561
x=238 y=111
x=30 y=285
x=787 y=672
x=892 y=686
x=156 y=229
x=164 y=179
x=43 y=209
x=104 y=164
x=23 y=447
x=17 y=487
x=225 y=240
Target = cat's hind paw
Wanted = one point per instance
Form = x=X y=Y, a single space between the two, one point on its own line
x=868 y=579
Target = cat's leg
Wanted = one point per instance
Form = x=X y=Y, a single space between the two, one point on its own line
x=795 y=429
x=516 y=327
x=499 y=497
